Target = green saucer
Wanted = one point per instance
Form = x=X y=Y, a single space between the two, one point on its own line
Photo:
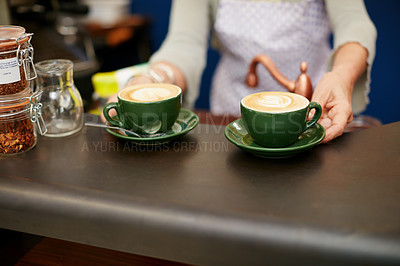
x=236 y=133
x=187 y=120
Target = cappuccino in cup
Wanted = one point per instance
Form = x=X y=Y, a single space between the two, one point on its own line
x=275 y=102
x=277 y=119
x=146 y=108
x=150 y=93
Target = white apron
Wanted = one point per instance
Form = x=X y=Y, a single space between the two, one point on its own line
x=287 y=32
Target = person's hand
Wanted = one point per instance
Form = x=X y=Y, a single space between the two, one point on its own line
x=112 y=112
x=334 y=96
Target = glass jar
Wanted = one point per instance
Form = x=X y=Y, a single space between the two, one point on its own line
x=16 y=59
x=62 y=109
x=19 y=113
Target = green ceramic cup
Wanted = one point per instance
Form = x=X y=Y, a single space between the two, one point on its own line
x=146 y=108
x=277 y=119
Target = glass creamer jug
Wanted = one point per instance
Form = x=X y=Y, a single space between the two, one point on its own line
x=62 y=106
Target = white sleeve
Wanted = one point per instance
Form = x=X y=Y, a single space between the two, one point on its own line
x=186 y=43
x=351 y=23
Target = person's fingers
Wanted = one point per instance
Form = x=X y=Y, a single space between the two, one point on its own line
x=322 y=99
x=339 y=121
x=323 y=103
x=319 y=95
x=325 y=122
x=113 y=98
x=333 y=132
x=112 y=112
x=350 y=117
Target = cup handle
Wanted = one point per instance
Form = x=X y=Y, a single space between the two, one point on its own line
x=317 y=115
x=106 y=110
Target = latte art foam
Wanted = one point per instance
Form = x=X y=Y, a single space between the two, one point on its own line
x=275 y=102
x=149 y=92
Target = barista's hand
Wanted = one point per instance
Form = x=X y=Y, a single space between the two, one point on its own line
x=334 y=96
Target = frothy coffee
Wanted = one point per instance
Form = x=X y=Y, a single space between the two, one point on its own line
x=275 y=102
x=149 y=92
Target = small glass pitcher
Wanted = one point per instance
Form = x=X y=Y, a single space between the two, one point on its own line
x=62 y=108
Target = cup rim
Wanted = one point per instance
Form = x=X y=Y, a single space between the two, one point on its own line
x=151 y=85
x=269 y=112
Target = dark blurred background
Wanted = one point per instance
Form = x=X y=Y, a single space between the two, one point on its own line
x=68 y=29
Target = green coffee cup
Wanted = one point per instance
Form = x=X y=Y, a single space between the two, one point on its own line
x=146 y=108
x=277 y=119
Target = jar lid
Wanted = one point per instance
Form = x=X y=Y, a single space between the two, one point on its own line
x=12 y=35
x=17 y=100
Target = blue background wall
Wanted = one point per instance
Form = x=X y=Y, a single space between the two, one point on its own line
x=385 y=91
